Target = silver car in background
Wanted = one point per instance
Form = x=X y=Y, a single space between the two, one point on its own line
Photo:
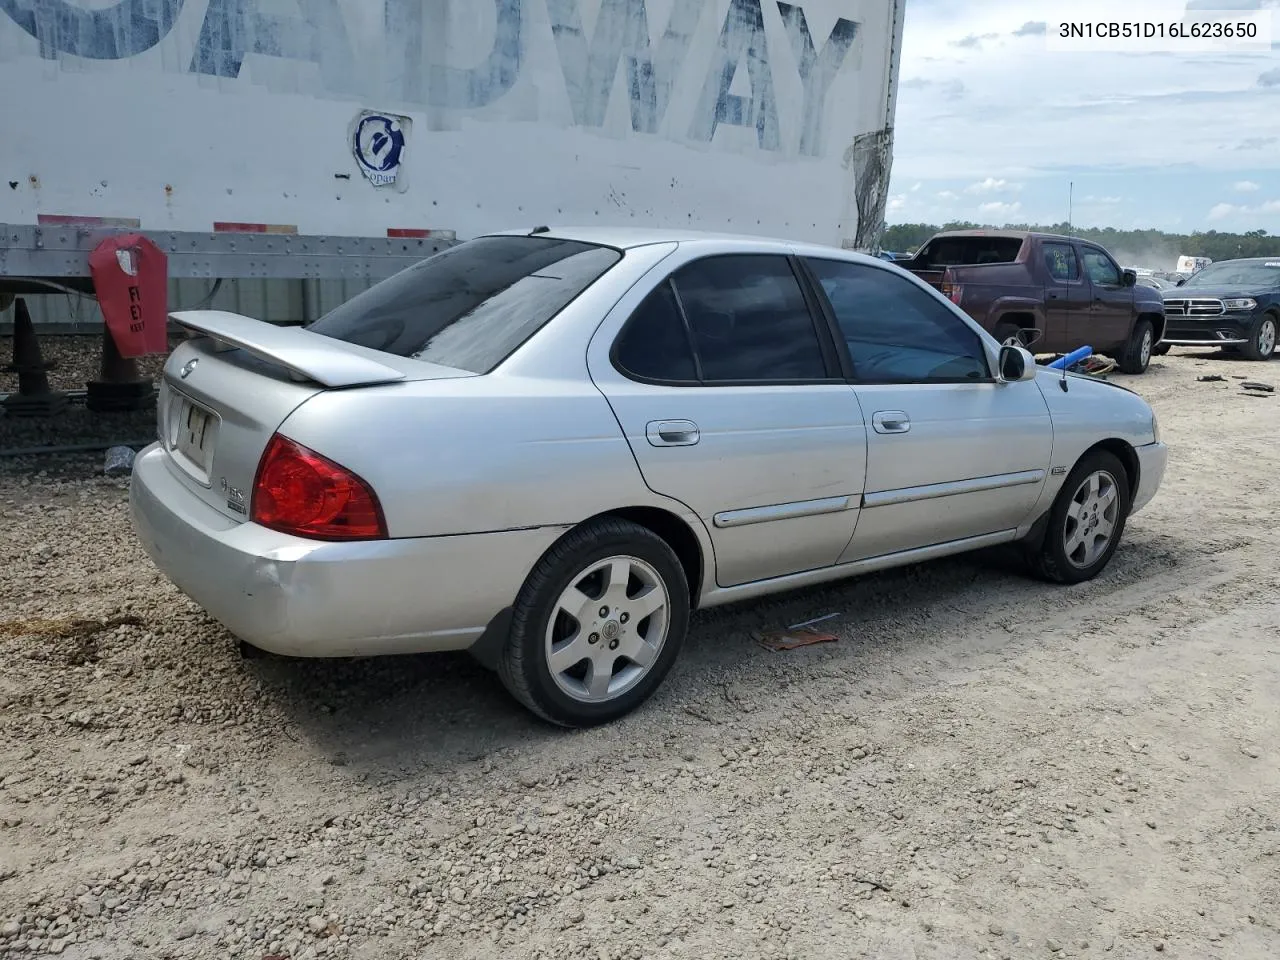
x=549 y=447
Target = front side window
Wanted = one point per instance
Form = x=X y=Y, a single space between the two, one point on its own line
x=737 y=318
x=1100 y=268
x=896 y=331
x=1060 y=261
x=472 y=305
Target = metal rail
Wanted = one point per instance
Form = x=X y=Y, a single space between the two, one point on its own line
x=32 y=256
x=54 y=449
x=73 y=396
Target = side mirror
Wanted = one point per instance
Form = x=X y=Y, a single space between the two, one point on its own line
x=1129 y=278
x=1016 y=364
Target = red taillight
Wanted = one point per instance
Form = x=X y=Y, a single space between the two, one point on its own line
x=300 y=492
x=953 y=292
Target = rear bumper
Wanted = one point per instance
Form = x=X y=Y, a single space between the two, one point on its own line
x=1152 y=460
x=305 y=598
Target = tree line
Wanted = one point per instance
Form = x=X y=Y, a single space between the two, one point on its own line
x=1143 y=248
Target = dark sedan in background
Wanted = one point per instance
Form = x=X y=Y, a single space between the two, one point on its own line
x=1233 y=304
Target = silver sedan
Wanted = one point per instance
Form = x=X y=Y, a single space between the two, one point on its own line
x=549 y=447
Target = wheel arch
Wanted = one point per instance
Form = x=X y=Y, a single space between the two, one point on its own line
x=1018 y=315
x=1122 y=450
x=1157 y=325
x=1128 y=457
x=676 y=533
x=666 y=525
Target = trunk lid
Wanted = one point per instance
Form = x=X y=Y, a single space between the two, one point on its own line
x=225 y=392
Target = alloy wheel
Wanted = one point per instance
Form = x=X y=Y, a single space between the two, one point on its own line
x=1091 y=521
x=607 y=629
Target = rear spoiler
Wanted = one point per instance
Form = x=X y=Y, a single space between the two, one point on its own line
x=306 y=355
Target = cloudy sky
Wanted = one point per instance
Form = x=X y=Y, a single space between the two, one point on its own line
x=992 y=125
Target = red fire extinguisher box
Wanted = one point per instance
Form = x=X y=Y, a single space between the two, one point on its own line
x=131 y=277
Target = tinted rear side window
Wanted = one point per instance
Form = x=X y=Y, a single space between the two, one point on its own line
x=470 y=306
x=749 y=319
x=967 y=251
x=654 y=344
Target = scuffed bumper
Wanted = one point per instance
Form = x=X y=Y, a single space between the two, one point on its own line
x=306 y=598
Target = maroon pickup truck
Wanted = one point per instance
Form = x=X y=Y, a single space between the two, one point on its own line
x=1070 y=290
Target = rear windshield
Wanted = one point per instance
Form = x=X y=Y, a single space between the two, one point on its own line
x=967 y=251
x=472 y=305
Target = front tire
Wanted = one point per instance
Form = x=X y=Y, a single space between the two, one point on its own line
x=1137 y=352
x=1160 y=349
x=597 y=625
x=1086 y=521
x=1262 y=343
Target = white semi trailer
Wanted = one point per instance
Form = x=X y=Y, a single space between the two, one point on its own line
x=295 y=139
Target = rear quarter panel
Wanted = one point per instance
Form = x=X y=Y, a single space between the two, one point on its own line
x=481 y=454
x=991 y=291
x=533 y=443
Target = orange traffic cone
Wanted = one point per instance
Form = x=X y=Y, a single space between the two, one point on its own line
x=34 y=397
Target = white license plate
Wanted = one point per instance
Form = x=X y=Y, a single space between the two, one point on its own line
x=196 y=430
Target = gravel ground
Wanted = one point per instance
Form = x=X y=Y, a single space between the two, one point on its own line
x=76 y=361
x=982 y=766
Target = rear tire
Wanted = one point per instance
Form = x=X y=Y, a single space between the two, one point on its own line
x=1137 y=352
x=597 y=625
x=1262 y=342
x=1085 y=522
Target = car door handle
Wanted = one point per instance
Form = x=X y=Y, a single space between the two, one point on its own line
x=890 y=421
x=1054 y=296
x=671 y=433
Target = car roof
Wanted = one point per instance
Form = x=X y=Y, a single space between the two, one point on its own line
x=1008 y=234
x=625 y=238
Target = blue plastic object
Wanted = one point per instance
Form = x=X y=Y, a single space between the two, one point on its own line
x=1072 y=358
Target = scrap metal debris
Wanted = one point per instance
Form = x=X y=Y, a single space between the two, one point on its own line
x=119 y=462
x=1258 y=387
x=1094 y=366
x=1211 y=378
x=798 y=635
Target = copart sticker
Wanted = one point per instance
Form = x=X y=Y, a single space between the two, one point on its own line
x=379 y=142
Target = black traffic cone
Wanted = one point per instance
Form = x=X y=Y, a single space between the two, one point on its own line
x=120 y=388
x=34 y=397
